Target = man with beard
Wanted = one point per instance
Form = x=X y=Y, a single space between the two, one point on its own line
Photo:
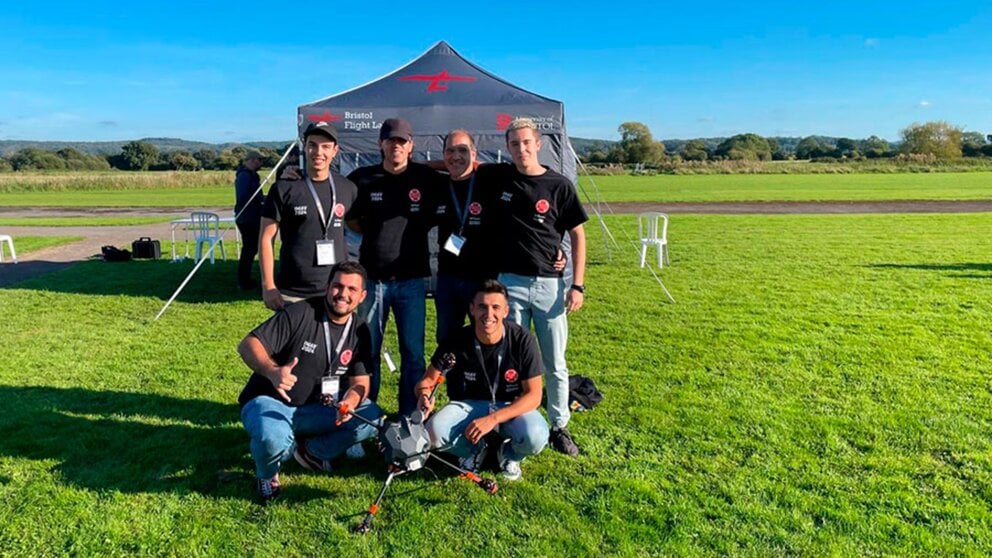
x=306 y=360
x=394 y=211
x=309 y=216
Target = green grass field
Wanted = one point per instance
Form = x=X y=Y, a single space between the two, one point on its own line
x=792 y=187
x=27 y=244
x=820 y=388
x=663 y=188
x=80 y=221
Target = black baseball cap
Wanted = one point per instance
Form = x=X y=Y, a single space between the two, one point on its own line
x=323 y=128
x=396 y=128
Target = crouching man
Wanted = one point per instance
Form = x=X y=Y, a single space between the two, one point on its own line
x=313 y=351
x=495 y=385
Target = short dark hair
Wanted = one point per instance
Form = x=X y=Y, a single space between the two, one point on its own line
x=349 y=267
x=457 y=132
x=491 y=286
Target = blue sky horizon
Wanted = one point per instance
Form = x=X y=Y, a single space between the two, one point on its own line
x=235 y=72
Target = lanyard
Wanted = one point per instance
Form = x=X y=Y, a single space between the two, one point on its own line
x=461 y=212
x=493 y=383
x=324 y=221
x=327 y=341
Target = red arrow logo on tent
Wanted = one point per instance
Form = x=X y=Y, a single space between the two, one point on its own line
x=326 y=117
x=438 y=81
x=503 y=121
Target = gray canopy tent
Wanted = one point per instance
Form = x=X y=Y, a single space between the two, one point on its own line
x=437 y=92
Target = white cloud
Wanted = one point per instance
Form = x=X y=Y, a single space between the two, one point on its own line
x=924 y=104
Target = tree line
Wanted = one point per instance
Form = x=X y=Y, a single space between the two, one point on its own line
x=937 y=140
x=135 y=155
x=929 y=140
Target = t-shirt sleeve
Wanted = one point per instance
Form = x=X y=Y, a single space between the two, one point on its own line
x=572 y=212
x=348 y=192
x=357 y=208
x=361 y=364
x=275 y=334
x=528 y=357
x=272 y=205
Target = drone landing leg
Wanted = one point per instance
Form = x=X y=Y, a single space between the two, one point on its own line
x=488 y=485
x=366 y=525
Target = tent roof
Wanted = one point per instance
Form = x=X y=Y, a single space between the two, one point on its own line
x=437 y=92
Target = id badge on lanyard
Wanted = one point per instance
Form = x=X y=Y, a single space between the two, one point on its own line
x=454 y=244
x=456 y=240
x=324 y=247
x=325 y=253
x=330 y=383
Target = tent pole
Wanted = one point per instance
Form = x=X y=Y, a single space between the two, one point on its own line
x=222 y=235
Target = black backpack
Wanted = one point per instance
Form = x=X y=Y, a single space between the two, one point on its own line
x=115 y=254
x=582 y=393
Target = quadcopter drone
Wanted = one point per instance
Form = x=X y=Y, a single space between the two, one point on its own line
x=407 y=448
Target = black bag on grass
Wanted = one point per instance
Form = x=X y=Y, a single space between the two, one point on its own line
x=582 y=393
x=115 y=254
x=146 y=248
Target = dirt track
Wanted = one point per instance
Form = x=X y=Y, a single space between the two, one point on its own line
x=60 y=257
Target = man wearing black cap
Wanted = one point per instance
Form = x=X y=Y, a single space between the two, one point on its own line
x=309 y=216
x=248 y=209
x=394 y=211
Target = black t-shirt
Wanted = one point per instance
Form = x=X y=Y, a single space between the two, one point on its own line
x=476 y=260
x=298 y=331
x=395 y=212
x=469 y=379
x=291 y=204
x=530 y=214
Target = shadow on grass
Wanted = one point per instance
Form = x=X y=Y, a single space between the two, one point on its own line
x=145 y=278
x=970 y=266
x=131 y=442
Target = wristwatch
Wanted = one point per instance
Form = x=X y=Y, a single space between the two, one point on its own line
x=580 y=288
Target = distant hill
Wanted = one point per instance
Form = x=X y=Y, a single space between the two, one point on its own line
x=114 y=147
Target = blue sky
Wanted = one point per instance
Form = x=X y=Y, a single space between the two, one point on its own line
x=223 y=71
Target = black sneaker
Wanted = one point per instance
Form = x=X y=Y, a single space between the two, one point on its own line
x=310 y=462
x=562 y=442
x=268 y=489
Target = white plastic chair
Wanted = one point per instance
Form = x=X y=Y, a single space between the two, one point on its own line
x=206 y=229
x=653 y=235
x=5 y=238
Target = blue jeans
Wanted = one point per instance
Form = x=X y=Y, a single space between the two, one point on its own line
x=452 y=299
x=273 y=426
x=541 y=300
x=528 y=433
x=407 y=299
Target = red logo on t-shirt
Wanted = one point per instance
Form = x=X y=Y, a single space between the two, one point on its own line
x=542 y=206
x=346 y=357
x=510 y=375
x=475 y=208
x=339 y=210
x=415 y=195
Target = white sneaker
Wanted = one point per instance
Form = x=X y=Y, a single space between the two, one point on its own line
x=509 y=468
x=474 y=462
x=355 y=451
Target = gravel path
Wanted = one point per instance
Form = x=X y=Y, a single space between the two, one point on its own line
x=60 y=257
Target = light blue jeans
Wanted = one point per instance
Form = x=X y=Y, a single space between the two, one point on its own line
x=541 y=300
x=273 y=426
x=528 y=433
x=407 y=299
